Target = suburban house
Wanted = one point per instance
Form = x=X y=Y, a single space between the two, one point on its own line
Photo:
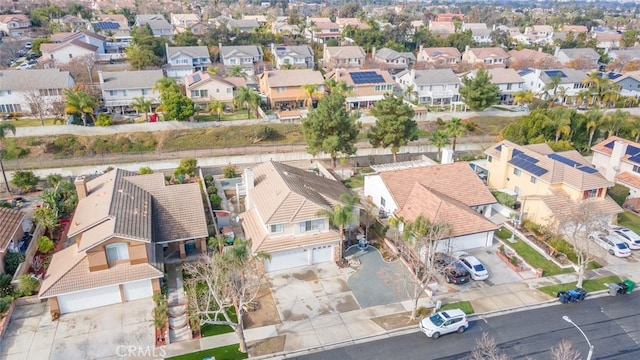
x=627 y=84
x=245 y=56
x=607 y=40
x=285 y=29
x=115 y=27
x=119 y=88
x=545 y=182
x=527 y=58
x=486 y=57
x=538 y=81
x=452 y=193
x=282 y=218
x=283 y=88
x=202 y=87
x=447 y=56
x=449 y=17
x=11 y=232
x=589 y=56
x=116 y=243
x=442 y=28
x=392 y=60
x=575 y=29
x=242 y=25
x=33 y=91
x=479 y=32
x=508 y=80
x=185 y=60
x=261 y=19
x=431 y=87
x=14 y=25
x=540 y=34
x=369 y=86
x=63 y=53
x=72 y=23
x=160 y=27
x=182 y=22
x=343 y=57
x=618 y=160
x=322 y=31
x=292 y=56
x=625 y=54
x=86 y=36
x=353 y=22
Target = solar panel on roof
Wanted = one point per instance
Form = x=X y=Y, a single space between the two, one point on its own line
x=635 y=158
x=196 y=78
x=609 y=144
x=555 y=73
x=564 y=160
x=107 y=25
x=613 y=76
x=281 y=48
x=632 y=150
x=588 y=169
x=523 y=163
x=366 y=77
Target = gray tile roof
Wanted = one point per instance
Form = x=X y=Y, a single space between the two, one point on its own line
x=571 y=76
x=131 y=208
x=33 y=79
x=155 y=21
x=192 y=51
x=581 y=52
x=240 y=51
x=244 y=23
x=299 y=51
x=390 y=54
x=436 y=76
x=142 y=79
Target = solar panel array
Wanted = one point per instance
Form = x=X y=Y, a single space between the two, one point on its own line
x=524 y=162
x=107 y=25
x=573 y=164
x=196 y=78
x=613 y=76
x=366 y=77
x=555 y=73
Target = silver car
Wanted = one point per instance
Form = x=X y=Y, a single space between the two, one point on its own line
x=444 y=322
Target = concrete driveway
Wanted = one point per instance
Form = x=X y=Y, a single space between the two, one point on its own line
x=107 y=332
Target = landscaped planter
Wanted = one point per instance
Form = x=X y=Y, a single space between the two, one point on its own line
x=507 y=260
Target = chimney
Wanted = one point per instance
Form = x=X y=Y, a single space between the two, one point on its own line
x=100 y=77
x=540 y=49
x=81 y=187
x=249 y=183
x=413 y=74
x=420 y=50
x=447 y=156
x=166 y=49
x=556 y=52
x=617 y=153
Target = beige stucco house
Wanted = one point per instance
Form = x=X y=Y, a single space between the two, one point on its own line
x=283 y=88
x=121 y=230
x=345 y=57
x=202 y=87
x=282 y=218
x=618 y=160
x=369 y=86
x=545 y=182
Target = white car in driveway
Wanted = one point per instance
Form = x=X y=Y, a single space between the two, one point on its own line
x=612 y=244
x=444 y=322
x=474 y=266
x=628 y=236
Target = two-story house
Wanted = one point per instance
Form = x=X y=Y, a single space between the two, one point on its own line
x=442 y=28
x=369 y=86
x=342 y=57
x=62 y=53
x=283 y=88
x=547 y=183
x=115 y=242
x=86 y=36
x=618 y=160
x=352 y=22
x=202 y=87
x=479 y=32
x=182 y=22
x=282 y=218
x=486 y=57
x=439 y=56
x=607 y=40
x=540 y=34
x=588 y=56
x=431 y=87
x=392 y=60
x=14 y=25
x=242 y=25
x=185 y=60
x=72 y=23
x=627 y=84
x=245 y=56
x=115 y=27
x=540 y=82
x=508 y=80
x=21 y=90
x=160 y=27
x=527 y=58
x=11 y=231
x=451 y=193
x=292 y=56
x=119 y=88
x=323 y=31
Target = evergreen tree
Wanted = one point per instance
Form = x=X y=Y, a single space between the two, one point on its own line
x=394 y=126
x=479 y=92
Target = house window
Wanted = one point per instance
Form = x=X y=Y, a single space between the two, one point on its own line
x=145 y=91
x=509 y=86
x=516 y=172
x=533 y=179
x=112 y=92
x=311 y=225
x=588 y=194
x=636 y=169
x=195 y=93
x=489 y=158
x=70 y=56
x=117 y=252
x=229 y=90
x=516 y=190
x=277 y=228
x=383 y=202
x=204 y=93
x=280 y=89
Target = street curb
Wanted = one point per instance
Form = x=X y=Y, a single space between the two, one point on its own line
x=414 y=329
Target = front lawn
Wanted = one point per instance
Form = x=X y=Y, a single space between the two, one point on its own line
x=462 y=305
x=531 y=256
x=629 y=220
x=229 y=352
x=588 y=285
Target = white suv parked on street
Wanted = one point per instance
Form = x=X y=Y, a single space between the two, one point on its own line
x=612 y=244
x=444 y=322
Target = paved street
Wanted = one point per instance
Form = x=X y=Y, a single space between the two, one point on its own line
x=612 y=324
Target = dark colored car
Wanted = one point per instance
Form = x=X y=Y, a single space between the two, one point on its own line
x=457 y=274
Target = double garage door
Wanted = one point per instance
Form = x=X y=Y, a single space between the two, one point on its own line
x=89 y=299
x=296 y=258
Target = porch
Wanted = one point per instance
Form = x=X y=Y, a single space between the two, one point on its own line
x=185 y=250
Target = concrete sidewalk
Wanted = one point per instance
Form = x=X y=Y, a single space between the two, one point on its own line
x=357 y=326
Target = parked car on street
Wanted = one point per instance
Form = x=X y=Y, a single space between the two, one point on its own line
x=611 y=243
x=474 y=266
x=444 y=322
x=628 y=236
x=24 y=65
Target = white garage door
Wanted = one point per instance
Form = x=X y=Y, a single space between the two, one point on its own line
x=287 y=260
x=89 y=299
x=466 y=242
x=322 y=254
x=138 y=290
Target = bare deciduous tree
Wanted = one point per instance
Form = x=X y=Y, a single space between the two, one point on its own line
x=565 y=351
x=579 y=220
x=486 y=349
x=38 y=103
x=226 y=283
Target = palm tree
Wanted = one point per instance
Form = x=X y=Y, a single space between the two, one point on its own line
x=439 y=139
x=310 y=91
x=614 y=121
x=594 y=120
x=341 y=215
x=246 y=97
x=584 y=96
x=79 y=102
x=5 y=128
x=561 y=124
x=338 y=87
x=165 y=85
x=236 y=71
x=552 y=87
x=140 y=104
x=216 y=107
x=598 y=85
x=454 y=128
x=523 y=97
x=634 y=128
